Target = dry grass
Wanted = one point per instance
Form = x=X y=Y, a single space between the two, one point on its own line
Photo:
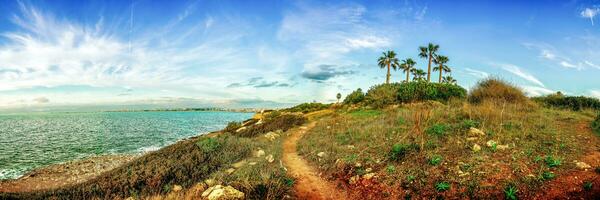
x=497 y=90
x=367 y=137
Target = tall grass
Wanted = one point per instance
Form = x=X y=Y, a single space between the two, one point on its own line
x=495 y=89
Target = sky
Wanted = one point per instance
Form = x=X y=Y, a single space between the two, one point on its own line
x=66 y=54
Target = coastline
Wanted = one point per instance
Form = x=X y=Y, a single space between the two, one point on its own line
x=63 y=174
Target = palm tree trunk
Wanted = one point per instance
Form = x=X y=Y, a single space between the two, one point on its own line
x=429 y=69
x=387 y=79
x=407 y=73
x=440 y=73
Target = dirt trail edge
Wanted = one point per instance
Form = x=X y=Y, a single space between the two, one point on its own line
x=308 y=184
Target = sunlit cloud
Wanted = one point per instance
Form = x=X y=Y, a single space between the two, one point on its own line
x=590 y=13
x=516 y=70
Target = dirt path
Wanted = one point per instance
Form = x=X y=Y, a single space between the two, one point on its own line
x=308 y=184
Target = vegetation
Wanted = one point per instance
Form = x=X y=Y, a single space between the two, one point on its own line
x=389 y=60
x=282 y=122
x=510 y=192
x=423 y=91
x=495 y=89
x=355 y=97
x=558 y=100
x=441 y=61
x=307 y=107
x=428 y=52
x=596 y=124
x=408 y=67
x=379 y=96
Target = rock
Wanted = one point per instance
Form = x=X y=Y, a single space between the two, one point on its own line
x=240 y=129
x=230 y=170
x=321 y=154
x=218 y=192
x=475 y=132
x=582 y=165
x=252 y=163
x=476 y=148
x=358 y=164
x=238 y=165
x=210 y=182
x=354 y=179
x=195 y=191
x=177 y=188
x=328 y=127
x=259 y=153
x=350 y=146
x=491 y=143
x=130 y=198
x=270 y=158
x=369 y=170
x=472 y=138
x=369 y=176
x=272 y=135
x=502 y=147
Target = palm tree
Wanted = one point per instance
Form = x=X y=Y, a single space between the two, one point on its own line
x=407 y=66
x=419 y=74
x=389 y=60
x=449 y=80
x=338 y=96
x=428 y=52
x=442 y=67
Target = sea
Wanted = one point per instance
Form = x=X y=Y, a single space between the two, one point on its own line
x=33 y=140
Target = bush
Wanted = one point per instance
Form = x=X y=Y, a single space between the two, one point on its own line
x=282 y=122
x=381 y=95
x=232 y=127
x=437 y=129
x=497 y=90
x=596 y=124
x=442 y=186
x=423 y=91
x=355 y=97
x=569 y=102
x=307 y=107
x=399 y=150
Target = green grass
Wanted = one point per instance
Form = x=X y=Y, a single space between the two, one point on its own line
x=365 y=113
x=435 y=160
x=510 y=192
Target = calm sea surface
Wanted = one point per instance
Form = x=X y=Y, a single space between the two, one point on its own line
x=29 y=141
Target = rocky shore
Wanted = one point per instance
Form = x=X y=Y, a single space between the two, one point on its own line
x=63 y=174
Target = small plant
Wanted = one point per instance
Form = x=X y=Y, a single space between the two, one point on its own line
x=289 y=181
x=435 y=160
x=442 y=186
x=537 y=159
x=410 y=178
x=398 y=151
x=548 y=175
x=355 y=97
x=510 y=192
x=390 y=169
x=552 y=162
x=587 y=185
x=494 y=147
x=232 y=127
x=208 y=144
x=437 y=129
x=467 y=124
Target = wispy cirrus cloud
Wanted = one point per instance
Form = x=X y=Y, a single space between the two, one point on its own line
x=516 y=70
x=550 y=53
x=590 y=13
x=476 y=73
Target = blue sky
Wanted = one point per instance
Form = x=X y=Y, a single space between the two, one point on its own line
x=65 y=54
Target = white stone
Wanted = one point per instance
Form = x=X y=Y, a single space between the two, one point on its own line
x=475 y=132
x=218 y=192
x=321 y=154
x=476 y=148
x=270 y=158
x=369 y=176
x=259 y=153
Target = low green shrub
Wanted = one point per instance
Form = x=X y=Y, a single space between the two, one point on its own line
x=496 y=89
x=552 y=162
x=282 y=122
x=437 y=129
x=399 y=150
x=510 y=192
x=575 y=103
x=307 y=107
x=232 y=127
x=208 y=144
x=435 y=160
x=355 y=97
x=547 y=175
x=588 y=185
x=468 y=123
x=423 y=91
x=442 y=186
x=381 y=95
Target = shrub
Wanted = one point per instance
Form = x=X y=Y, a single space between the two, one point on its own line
x=588 y=185
x=381 y=95
x=307 y=107
x=467 y=124
x=442 y=186
x=282 y=122
x=575 y=103
x=208 y=144
x=497 y=90
x=437 y=129
x=596 y=124
x=423 y=91
x=232 y=127
x=548 y=175
x=552 y=162
x=355 y=97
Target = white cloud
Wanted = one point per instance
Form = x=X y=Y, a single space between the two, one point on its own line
x=477 y=73
x=536 y=91
x=588 y=63
x=568 y=65
x=208 y=22
x=420 y=15
x=367 y=42
x=549 y=53
x=590 y=13
x=595 y=93
x=520 y=73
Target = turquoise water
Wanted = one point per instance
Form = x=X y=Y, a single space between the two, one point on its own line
x=29 y=141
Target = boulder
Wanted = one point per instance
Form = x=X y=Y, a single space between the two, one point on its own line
x=272 y=135
x=582 y=165
x=210 y=182
x=252 y=163
x=502 y=147
x=240 y=129
x=230 y=171
x=177 y=188
x=475 y=132
x=270 y=158
x=476 y=148
x=472 y=138
x=369 y=176
x=219 y=192
x=259 y=153
x=321 y=154
x=353 y=180
x=238 y=165
x=491 y=143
